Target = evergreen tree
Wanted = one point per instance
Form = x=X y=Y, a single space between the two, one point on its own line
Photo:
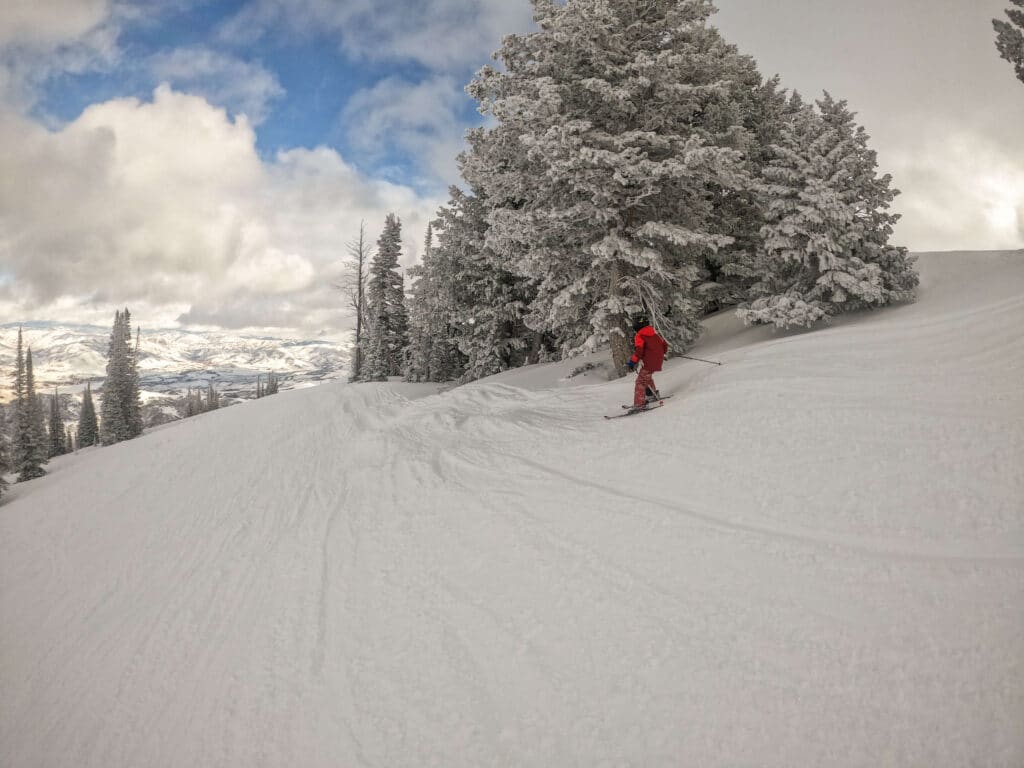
x=133 y=386
x=113 y=418
x=489 y=303
x=5 y=456
x=387 y=335
x=57 y=442
x=421 y=303
x=433 y=345
x=826 y=239
x=259 y=387
x=37 y=411
x=729 y=273
x=29 y=447
x=194 y=402
x=69 y=441
x=619 y=133
x=1010 y=39
x=88 y=433
x=212 y=398
x=272 y=385
x=121 y=412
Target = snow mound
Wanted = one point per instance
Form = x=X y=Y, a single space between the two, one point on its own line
x=813 y=555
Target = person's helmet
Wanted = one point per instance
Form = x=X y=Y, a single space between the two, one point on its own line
x=640 y=323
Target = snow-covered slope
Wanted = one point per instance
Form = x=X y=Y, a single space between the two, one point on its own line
x=813 y=555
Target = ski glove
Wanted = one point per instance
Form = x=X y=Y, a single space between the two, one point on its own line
x=632 y=366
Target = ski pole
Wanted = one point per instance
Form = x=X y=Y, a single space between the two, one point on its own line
x=709 y=362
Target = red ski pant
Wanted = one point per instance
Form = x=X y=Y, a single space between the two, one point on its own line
x=644 y=381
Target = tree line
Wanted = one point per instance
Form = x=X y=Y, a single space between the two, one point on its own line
x=35 y=440
x=636 y=164
x=195 y=402
x=37 y=429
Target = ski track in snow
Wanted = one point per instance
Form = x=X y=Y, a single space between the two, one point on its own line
x=813 y=555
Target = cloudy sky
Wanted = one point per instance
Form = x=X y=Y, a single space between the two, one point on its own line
x=204 y=161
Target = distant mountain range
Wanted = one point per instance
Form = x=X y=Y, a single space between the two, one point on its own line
x=170 y=361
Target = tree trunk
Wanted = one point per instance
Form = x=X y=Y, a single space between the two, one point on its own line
x=622 y=350
x=620 y=339
x=357 y=250
x=537 y=341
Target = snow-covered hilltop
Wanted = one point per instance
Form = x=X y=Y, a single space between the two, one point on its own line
x=171 y=361
x=813 y=555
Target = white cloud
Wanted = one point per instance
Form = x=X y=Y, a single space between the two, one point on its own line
x=962 y=191
x=41 y=39
x=242 y=87
x=49 y=24
x=944 y=111
x=418 y=119
x=442 y=34
x=167 y=206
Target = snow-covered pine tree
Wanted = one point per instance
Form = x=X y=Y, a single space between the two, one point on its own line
x=5 y=461
x=133 y=385
x=445 y=359
x=88 y=432
x=121 y=411
x=489 y=303
x=267 y=388
x=387 y=335
x=1010 y=37
x=198 y=405
x=57 y=441
x=729 y=272
x=826 y=237
x=29 y=449
x=37 y=411
x=433 y=347
x=212 y=397
x=69 y=441
x=619 y=134
x=113 y=419
x=22 y=440
x=421 y=301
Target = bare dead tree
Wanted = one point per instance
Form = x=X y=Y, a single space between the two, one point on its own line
x=353 y=283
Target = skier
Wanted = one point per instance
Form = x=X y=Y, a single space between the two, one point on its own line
x=650 y=349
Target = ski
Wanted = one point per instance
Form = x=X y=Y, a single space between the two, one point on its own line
x=659 y=400
x=634 y=412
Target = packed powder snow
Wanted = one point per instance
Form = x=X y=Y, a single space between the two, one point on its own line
x=812 y=555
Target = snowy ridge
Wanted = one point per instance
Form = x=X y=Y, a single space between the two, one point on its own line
x=171 y=361
x=813 y=555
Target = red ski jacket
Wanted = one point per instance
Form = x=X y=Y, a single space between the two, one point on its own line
x=650 y=348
